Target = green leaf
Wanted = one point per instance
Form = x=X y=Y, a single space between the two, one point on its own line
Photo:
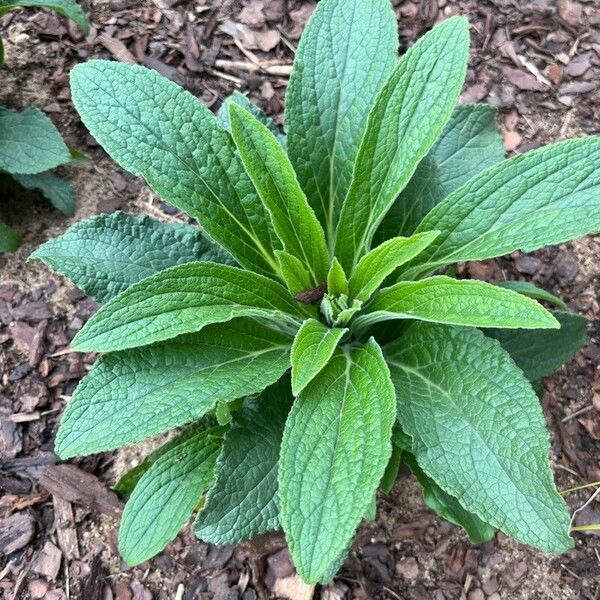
x=337 y=282
x=157 y=130
x=391 y=471
x=30 y=142
x=183 y=299
x=478 y=431
x=313 y=346
x=346 y=53
x=244 y=502
x=408 y=116
x=57 y=190
x=130 y=396
x=448 y=507
x=532 y=291
x=1 y=54
x=10 y=240
x=546 y=196
x=294 y=273
x=443 y=299
x=66 y=8
x=243 y=101
x=335 y=448
x=106 y=254
x=539 y=353
x=374 y=267
x=166 y=496
x=131 y=478
x=271 y=172
x=469 y=144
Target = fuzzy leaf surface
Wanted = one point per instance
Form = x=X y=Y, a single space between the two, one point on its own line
x=271 y=172
x=30 y=142
x=57 y=190
x=335 y=448
x=546 y=196
x=66 y=8
x=469 y=144
x=313 y=346
x=478 y=431
x=532 y=291
x=346 y=53
x=408 y=116
x=166 y=495
x=443 y=299
x=159 y=131
x=108 y=253
x=243 y=502
x=374 y=267
x=448 y=507
x=130 y=396
x=539 y=353
x=183 y=299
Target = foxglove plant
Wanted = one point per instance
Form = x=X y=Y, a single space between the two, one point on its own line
x=311 y=338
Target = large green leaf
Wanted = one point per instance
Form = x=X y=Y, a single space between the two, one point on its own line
x=448 y=507
x=183 y=299
x=408 y=116
x=130 y=396
x=546 y=196
x=67 y=8
x=155 y=129
x=30 y=142
x=478 y=430
x=10 y=240
x=106 y=254
x=443 y=299
x=335 y=448
x=167 y=494
x=374 y=267
x=539 y=353
x=313 y=346
x=57 y=190
x=243 y=101
x=271 y=172
x=532 y=291
x=469 y=144
x=346 y=53
x=243 y=502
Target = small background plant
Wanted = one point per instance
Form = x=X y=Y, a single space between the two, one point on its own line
x=335 y=309
x=30 y=144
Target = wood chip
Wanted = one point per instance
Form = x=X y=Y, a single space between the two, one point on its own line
x=293 y=588
x=16 y=532
x=65 y=527
x=77 y=486
x=46 y=561
x=117 y=48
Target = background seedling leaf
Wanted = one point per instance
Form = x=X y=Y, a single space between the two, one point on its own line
x=478 y=431
x=335 y=448
x=539 y=353
x=346 y=53
x=30 y=142
x=183 y=299
x=57 y=190
x=443 y=299
x=546 y=196
x=271 y=172
x=130 y=396
x=10 y=240
x=167 y=494
x=66 y=8
x=243 y=502
x=408 y=116
x=157 y=130
x=532 y=291
x=313 y=346
x=106 y=254
x=468 y=145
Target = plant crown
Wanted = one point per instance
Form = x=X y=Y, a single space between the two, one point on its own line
x=312 y=337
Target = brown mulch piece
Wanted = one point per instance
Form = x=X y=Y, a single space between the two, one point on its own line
x=538 y=62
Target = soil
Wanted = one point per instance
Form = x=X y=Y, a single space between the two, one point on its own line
x=537 y=61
